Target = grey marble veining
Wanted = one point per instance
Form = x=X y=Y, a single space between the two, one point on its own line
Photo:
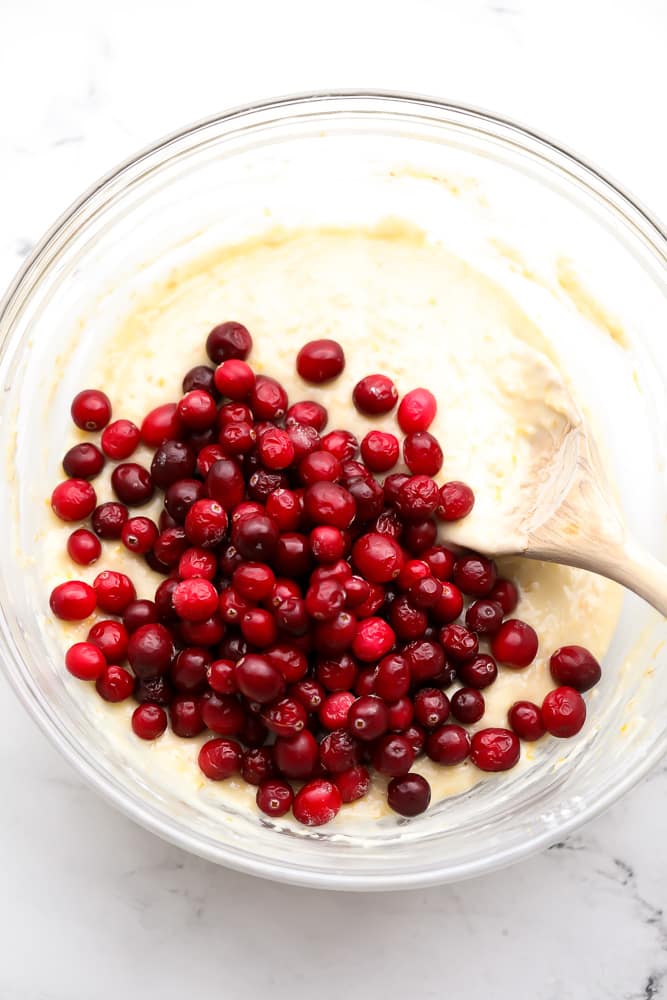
x=93 y=906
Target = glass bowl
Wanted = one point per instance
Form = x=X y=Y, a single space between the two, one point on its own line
x=346 y=158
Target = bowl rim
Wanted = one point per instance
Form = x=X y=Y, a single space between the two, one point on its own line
x=651 y=229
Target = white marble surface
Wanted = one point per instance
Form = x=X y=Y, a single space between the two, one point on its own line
x=93 y=907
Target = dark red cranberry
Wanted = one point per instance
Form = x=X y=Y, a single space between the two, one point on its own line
x=375 y=394
x=268 y=399
x=389 y=523
x=478 y=672
x=139 y=534
x=172 y=461
x=232 y=647
x=426 y=593
x=285 y=717
x=418 y=536
x=253 y=732
x=304 y=439
x=426 y=659
x=449 y=606
x=263 y=483
x=170 y=545
x=83 y=548
x=311 y=694
x=234 y=379
x=237 y=439
x=440 y=561
x=258 y=679
x=352 y=784
x=83 y=461
x=180 y=496
x=575 y=667
x=335 y=636
x=274 y=797
x=149 y=721
x=228 y=340
x=256 y=538
x=320 y=361
x=296 y=756
x=392 y=679
x=422 y=453
x=153 y=689
x=412 y=572
x=160 y=425
x=525 y=718
x=401 y=715
x=357 y=590
x=254 y=581
x=185 y=716
x=368 y=718
x=515 y=643
x=337 y=674
x=467 y=705
x=139 y=613
x=377 y=557
x=392 y=487
x=257 y=765
x=259 y=627
x=484 y=617
x=456 y=501
x=115 y=684
x=91 y=410
x=368 y=497
x=339 y=751
x=505 y=594
x=224 y=483
x=166 y=521
x=108 y=519
x=199 y=377
x=459 y=642
x=73 y=500
x=292 y=554
x=417 y=498
x=132 y=483
x=222 y=713
x=563 y=712
x=221 y=676
x=232 y=606
x=220 y=758
x=331 y=504
x=334 y=710
x=475 y=575
x=393 y=755
x=380 y=450
x=285 y=508
x=188 y=671
x=290 y=661
x=318 y=802
x=308 y=413
x=416 y=411
x=325 y=600
x=494 y=749
x=431 y=707
x=234 y=413
x=120 y=439
x=319 y=467
x=85 y=661
x=409 y=795
x=206 y=633
x=365 y=682
x=291 y=616
x=448 y=745
x=338 y=571
x=150 y=650
x=416 y=736
x=111 y=638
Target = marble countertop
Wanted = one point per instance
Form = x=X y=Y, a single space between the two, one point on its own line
x=94 y=907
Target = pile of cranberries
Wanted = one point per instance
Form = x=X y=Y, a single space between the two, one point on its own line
x=308 y=617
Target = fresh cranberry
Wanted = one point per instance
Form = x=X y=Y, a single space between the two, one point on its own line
x=185 y=715
x=285 y=508
x=221 y=677
x=206 y=633
x=338 y=571
x=373 y=639
x=114 y=591
x=115 y=684
x=368 y=497
x=73 y=500
x=319 y=467
x=197 y=563
x=222 y=714
x=296 y=756
x=377 y=557
x=317 y=803
x=285 y=717
x=188 y=671
x=232 y=646
x=109 y=518
x=418 y=536
x=416 y=411
x=160 y=425
x=206 y=523
x=335 y=709
x=412 y=571
x=320 y=361
x=311 y=694
x=392 y=679
x=456 y=501
x=156 y=690
x=85 y=661
x=120 y=439
x=426 y=593
x=375 y=394
x=139 y=534
x=505 y=594
x=365 y=682
x=393 y=755
x=256 y=538
x=422 y=453
x=234 y=379
x=515 y=643
x=327 y=543
x=409 y=795
x=431 y=707
x=274 y=797
x=292 y=555
x=228 y=340
x=180 y=497
x=426 y=659
x=275 y=449
x=468 y=705
x=525 y=718
x=258 y=679
x=232 y=606
x=83 y=461
x=259 y=627
x=291 y=616
x=575 y=667
x=83 y=547
x=325 y=600
x=91 y=410
x=199 y=377
x=234 y=413
x=172 y=461
x=449 y=606
x=132 y=484
x=308 y=413
x=484 y=617
x=563 y=712
x=416 y=736
x=149 y=721
x=417 y=498
x=195 y=599
x=478 y=672
x=352 y=784
x=341 y=444
x=170 y=546
x=224 y=483
x=330 y=504
x=257 y=765
x=150 y=650
x=290 y=661
x=357 y=591
x=339 y=751
x=220 y=758
x=380 y=450
x=448 y=745
x=440 y=561
x=335 y=636
x=268 y=399
x=237 y=439
x=459 y=642
x=401 y=714
x=494 y=749
x=111 y=638
x=368 y=718
x=139 y=613
x=475 y=575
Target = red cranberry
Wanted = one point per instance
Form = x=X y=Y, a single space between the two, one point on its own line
x=114 y=591
x=459 y=642
x=357 y=591
x=389 y=523
x=257 y=765
x=195 y=599
x=563 y=712
x=263 y=483
x=401 y=714
x=172 y=461
x=392 y=679
x=309 y=413
x=296 y=756
x=170 y=546
x=525 y=718
x=575 y=667
x=268 y=399
x=494 y=749
x=426 y=660
x=221 y=677
x=440 y=561
x=456 y=501
x=328 y=503
x=132 y=483
x=448 y=745
x=393 y=755
x=505 y=594
x=475 y=575
x=334 y=711
x=412 y=572
x=83 y=461
x=478 y=672
x=185 y=716
x=153 y=689
x=375 y=394
x=338 y=571
x=449 y=605
x=188 y=671
x=150 y=650
x=220 y=758
x=417 y=498
x=311 y=694
x=108 y=519
x=139 y=534
x=274 y=797
x=317 y=803
x=426 y=593
x=256 y=538
x=206 y=633
x=289 y=660
x=234 y=413
x=365 y=682
x=373 y=640
x=258 y=679
x=515 y=643
x=337 y=674
x=341 y=444
x=285 y=508
x=222 y=713
x=291 y=616
x=410 y=795
x=180 y=497
x=111 y=638
x=325 y=600
x=419 y=536
x=199 y=377
x=468 y=705
x=85 y=661
x=339 y=751
x=431 y=707
x=91 y=410
x=139 y=613
x=368 y=718
x=377 y=557
x=197 y=563
x=416 y=411
x=259 y=628
x=206 y=523
x=327 y=543
x=232 y=606
x=275 y=449
x=335 y=636
x=368 y=497
x=234 y=379
x=380 y=450
x=292 y=555
x=319 y=467
x=352 y=784
x=422 y=453
x=285 y=717
x=228 y=340
x=224 y=483
x=83 y=548
x=115 y=684
x=254 y=581
x=149 y=721
x=236 y=439
x=161 y=424
x=320 y=361
x=73 y=500
x=484 y=617
x=416 y=736
x=120 y=439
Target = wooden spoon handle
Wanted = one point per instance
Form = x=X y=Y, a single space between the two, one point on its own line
x=640 y=572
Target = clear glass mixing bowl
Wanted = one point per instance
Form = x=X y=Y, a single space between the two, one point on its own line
x=342 y=158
